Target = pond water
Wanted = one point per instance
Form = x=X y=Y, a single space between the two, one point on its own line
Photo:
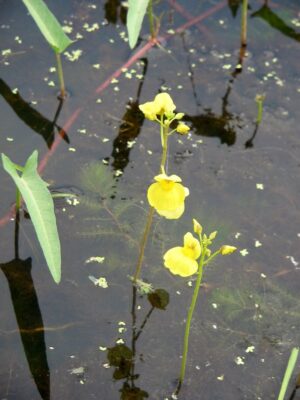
x=66 y=341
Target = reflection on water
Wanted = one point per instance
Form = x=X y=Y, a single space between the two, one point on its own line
x=122 y=357
x=276 y=22
x=130 y=128
x=30 y=321
x=31 y=117
x=115 y=10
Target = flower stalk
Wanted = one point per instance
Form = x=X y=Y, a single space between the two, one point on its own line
x=190 y=315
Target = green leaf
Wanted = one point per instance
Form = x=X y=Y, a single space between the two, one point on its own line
x=288 y=372
x=136 y=12
x=48 y=25
x=40 y=206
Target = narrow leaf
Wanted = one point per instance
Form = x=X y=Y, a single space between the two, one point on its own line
x=40 y=206
x=288 y=372
x=48 y=25
x=136 y=12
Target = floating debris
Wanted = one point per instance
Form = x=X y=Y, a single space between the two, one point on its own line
x=101 y=282
x=97 y=259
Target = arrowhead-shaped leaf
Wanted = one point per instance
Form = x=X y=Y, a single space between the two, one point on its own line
x=40 y=206
x=48 y=25
x=136 y=12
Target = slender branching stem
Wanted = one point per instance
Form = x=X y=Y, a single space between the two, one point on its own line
x=143 y=244
x=244 y=23
x=60 y=76
x=190 y=316
x=151 y=19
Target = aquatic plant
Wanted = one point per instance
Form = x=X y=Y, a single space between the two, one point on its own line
x=244 y=23
x=136 y=12
x=40 y=207
x=167 y=195
x=288 y=373
x=188 y=260
x=52 y=32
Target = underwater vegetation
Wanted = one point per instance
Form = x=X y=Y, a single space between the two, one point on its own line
x=190 y=155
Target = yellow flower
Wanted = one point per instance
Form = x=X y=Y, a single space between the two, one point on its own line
x=167 y=196
x=225 y=250
x=182 y=260
x=164 y=104
x=182 y=128
x=161 y=105
x=148 y=110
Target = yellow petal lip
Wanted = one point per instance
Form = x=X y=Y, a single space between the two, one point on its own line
x=164 y=104
x=164 y=177
x=178 y=263
x=171 y=214
x=149 y=110
x=191 y=246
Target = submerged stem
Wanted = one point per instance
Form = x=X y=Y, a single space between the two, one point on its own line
x=143 y=244
x=244 y=23
x=151 y=20
x=189 y=318
x=60 y=76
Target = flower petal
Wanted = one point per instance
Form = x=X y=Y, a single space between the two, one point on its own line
x=178 y=263
x=174 y=214
x=164 y=104
x=164 y=199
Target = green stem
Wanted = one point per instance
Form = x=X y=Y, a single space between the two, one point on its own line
x=211 y=257
x=260 y=101
x=164 y=140
x=60 y=76
x=151 y=20
x=18 y=200
x=143 y=245
x=190 y=316
x=244 y=23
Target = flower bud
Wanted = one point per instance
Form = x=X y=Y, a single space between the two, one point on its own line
x=213 y=235
x=182 y=128
x=225 y=250
x=197 y=227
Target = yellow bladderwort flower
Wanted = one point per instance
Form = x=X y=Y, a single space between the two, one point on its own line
x=182 y=128
x=167 y=196
x=161 y=105
x=182 y=260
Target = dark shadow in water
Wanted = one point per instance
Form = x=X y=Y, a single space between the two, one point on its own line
x=28 y=316
x=276 y=22
x=223 y=125
x=249 y=142
x=234 y=6
x=31 y=117
x=123 y=357
x=114 y=10
x=130 y=128
x=296 y=389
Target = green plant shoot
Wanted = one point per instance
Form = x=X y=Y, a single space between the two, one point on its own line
x=186 y=261
x=52 y=32
x=40 y=207
x=288 y=372
x=135 y=16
